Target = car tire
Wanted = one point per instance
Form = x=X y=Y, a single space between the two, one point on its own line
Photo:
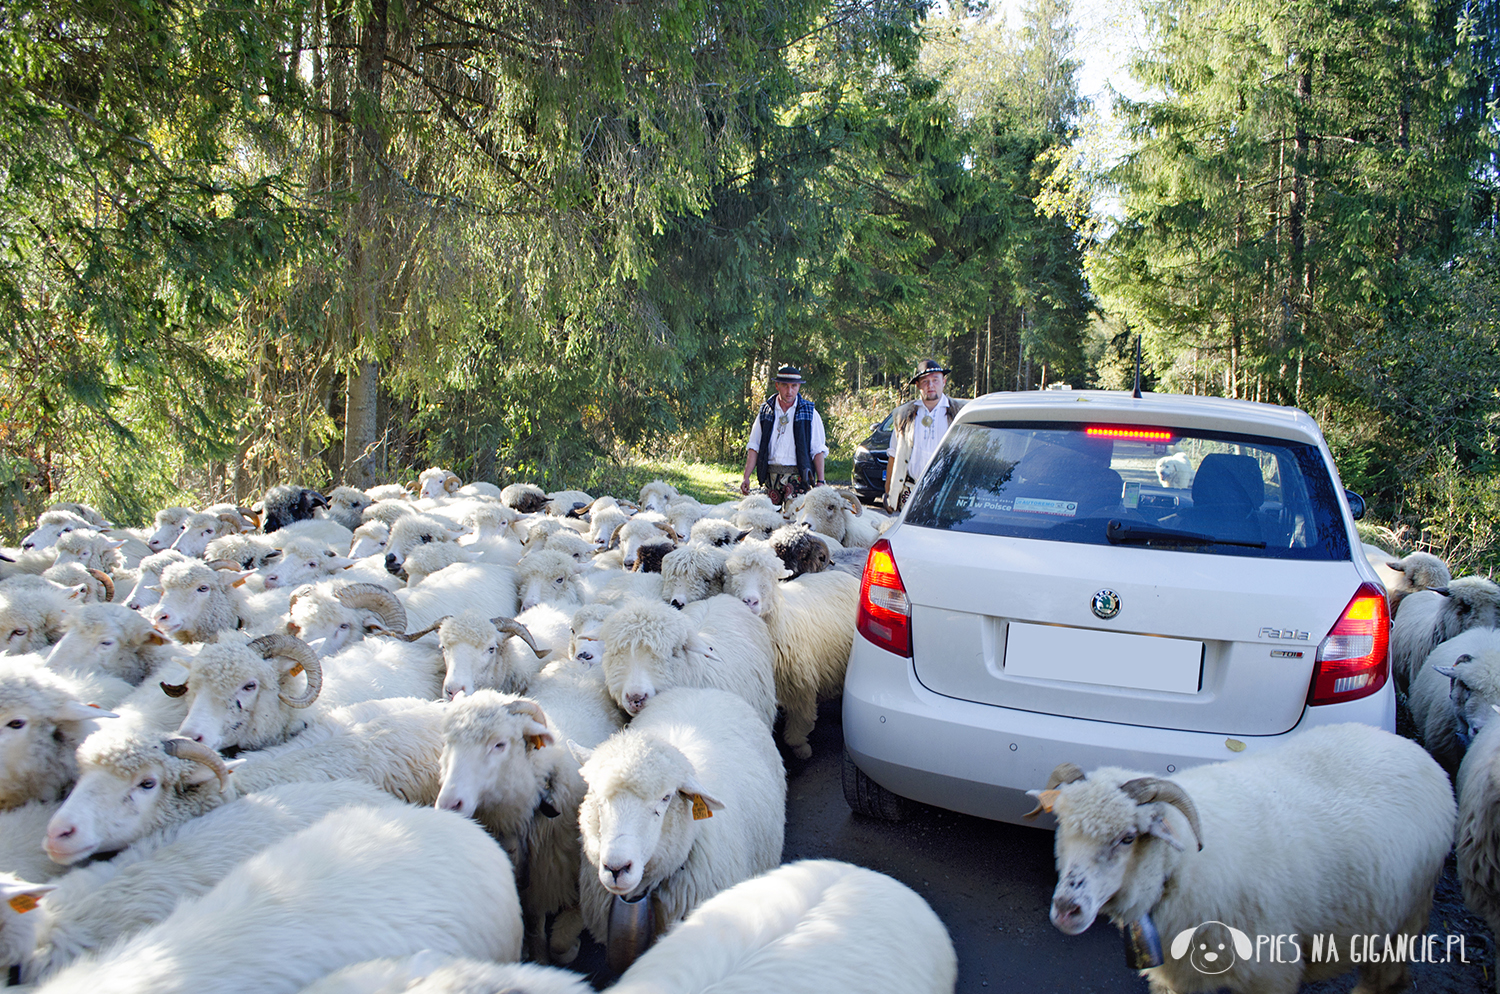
x=866 y=797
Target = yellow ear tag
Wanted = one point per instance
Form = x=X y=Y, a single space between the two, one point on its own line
x=534 y=742
x=23 y=903
x=1047 y=799
x=295 y=670
x=700 y=808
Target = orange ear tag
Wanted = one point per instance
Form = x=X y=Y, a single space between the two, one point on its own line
x=23 y=903
x=700 y=808
x=534 y=742
x=295 y=670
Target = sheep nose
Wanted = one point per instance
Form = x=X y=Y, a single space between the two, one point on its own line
x=63 y=833
x=28 y=545
x=452 y=804
x=454 y=690
x=615 y=871
x=677 y=603
x=635 y=702
x=753 y=603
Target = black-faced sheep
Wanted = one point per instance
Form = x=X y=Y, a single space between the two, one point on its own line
x=692 y=572
x=800 y=550
x=284 y=504
x=527 y=498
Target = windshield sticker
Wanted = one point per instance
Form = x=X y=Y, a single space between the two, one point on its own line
x=1038 y=505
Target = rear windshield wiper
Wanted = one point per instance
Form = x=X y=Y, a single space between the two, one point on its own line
x=1121 y=533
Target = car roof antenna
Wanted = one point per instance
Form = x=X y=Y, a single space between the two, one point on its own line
x=1137 y=394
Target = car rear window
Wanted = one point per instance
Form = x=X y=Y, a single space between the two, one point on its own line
x=1161 y=488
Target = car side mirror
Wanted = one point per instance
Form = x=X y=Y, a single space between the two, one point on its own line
x=1356 y=504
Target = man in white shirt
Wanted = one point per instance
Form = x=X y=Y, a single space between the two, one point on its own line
x=789 y=430
x=919 y=427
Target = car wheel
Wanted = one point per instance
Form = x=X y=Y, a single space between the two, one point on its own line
x=866 y=797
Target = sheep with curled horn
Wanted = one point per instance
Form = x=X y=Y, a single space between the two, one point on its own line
x=839 y=515
x=1341 y=831
x=332 y=617
x=498 y=653
x=246 y=696
x=437 y=482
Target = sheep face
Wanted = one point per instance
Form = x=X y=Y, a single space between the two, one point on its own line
x=89 y=549
x=409 y=532
x=487 y=741
x=347 y=506
x=548 y=577
x=472 y=650
x=824 y=510
x=109 y=637
x=325 y=624
x=645 y=644
x=437 y=482
x=195 y=601
x=51 y=526
x=169 y=521
x=250 y=551
x=41 y=725
x=29 y=616
x=716 y=532
x=369 y=540
x=126 y=788
x=304 y=562
x=200 y=529
x=1473 y=691
x=637 y=819
x=752 y=574
x=1113 y=852
x=656 y=495
x=233 y=698
x=285 y=504
x=144 y=593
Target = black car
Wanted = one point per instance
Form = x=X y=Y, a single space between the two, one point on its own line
x=870 y=457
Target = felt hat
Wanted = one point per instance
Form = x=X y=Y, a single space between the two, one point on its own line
x=789 y=374
x=928 y=366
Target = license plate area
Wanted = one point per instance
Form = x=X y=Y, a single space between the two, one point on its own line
x=1103 y=659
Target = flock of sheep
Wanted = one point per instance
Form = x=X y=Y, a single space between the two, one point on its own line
x=390 y=741
x=403 y=741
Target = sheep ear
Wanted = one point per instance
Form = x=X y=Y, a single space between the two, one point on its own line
x=697 y=643
x=538 y=735
x=581 y=753
x=155 y=588
x=117 y=545
x=1448 y=671
x=240 y=576
x=704 y=803
x=1163 y=831
x=156 y=638
x=22 y=896
x=77 y=711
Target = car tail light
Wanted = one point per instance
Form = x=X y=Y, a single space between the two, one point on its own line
x=884 y=612
x=1130 y=433
x=1352 y=659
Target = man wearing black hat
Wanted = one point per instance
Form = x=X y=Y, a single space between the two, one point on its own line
x=790 y=432
x=919 y=427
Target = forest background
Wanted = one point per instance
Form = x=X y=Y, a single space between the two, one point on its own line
x=335 y=241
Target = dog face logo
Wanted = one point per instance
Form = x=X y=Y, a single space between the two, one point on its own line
x=1212 y=947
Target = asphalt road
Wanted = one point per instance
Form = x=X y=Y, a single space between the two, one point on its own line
x=991 y=884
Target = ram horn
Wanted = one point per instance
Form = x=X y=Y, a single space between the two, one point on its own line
x=234 y=519
x=529 y=708
x=1063 y=773
x=104 y=578
x=614 y=536
x=299 y=652
x=374 y=597
x=855 y=504
x=413 y=636
x=666 y=526
x=1145 y=790
x=451 y=482
x=222 y=564
x=510 y=626
x=579 y=509
x=174 y=689
x=252 y=517
x=185 y=748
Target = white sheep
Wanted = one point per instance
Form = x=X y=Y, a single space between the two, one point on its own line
x=811 y=621
x=31 y=614
x=484 y=587
x=693 y=572
x=91 y=549
x=324 y=530
x=95 y=904
x=1340 y=832
x=146 y=590
x=388 y=491
x=250 y=550
x=500 y=653
x=546 y=576
x=567 y=503
x=369 y=540
x=247 y=696
x=198 y=600
x=656 y=495
x=1451 y=696
x=686 y=801
x=112 y=639
x=387 y=511
x=1417 y=571
x=202 y=527
x=42 y=721
x=814 y=926
x=51 y=526
x=412 y=530
x=1478 y=845
x=1175 y=471
x=839 y=516
x=720 y=532
x=169 y=522
x=361 y=882
x=647 y=526
x=585 y=634
x=430 y=973
x=1430 y=617
x=682 y=513
x=436 y=482
x=649 y=647
x=333 y=616
x=346 y=505
x=506 y=762
x=303 y=560
x=759 y=522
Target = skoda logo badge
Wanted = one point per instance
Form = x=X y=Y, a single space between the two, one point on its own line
x=1106 y=604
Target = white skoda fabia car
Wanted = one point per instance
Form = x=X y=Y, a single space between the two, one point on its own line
x=1093 y=578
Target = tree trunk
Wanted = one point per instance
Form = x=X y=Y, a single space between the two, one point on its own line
x=361 y=424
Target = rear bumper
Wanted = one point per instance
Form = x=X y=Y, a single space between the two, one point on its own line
x=981 y=759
